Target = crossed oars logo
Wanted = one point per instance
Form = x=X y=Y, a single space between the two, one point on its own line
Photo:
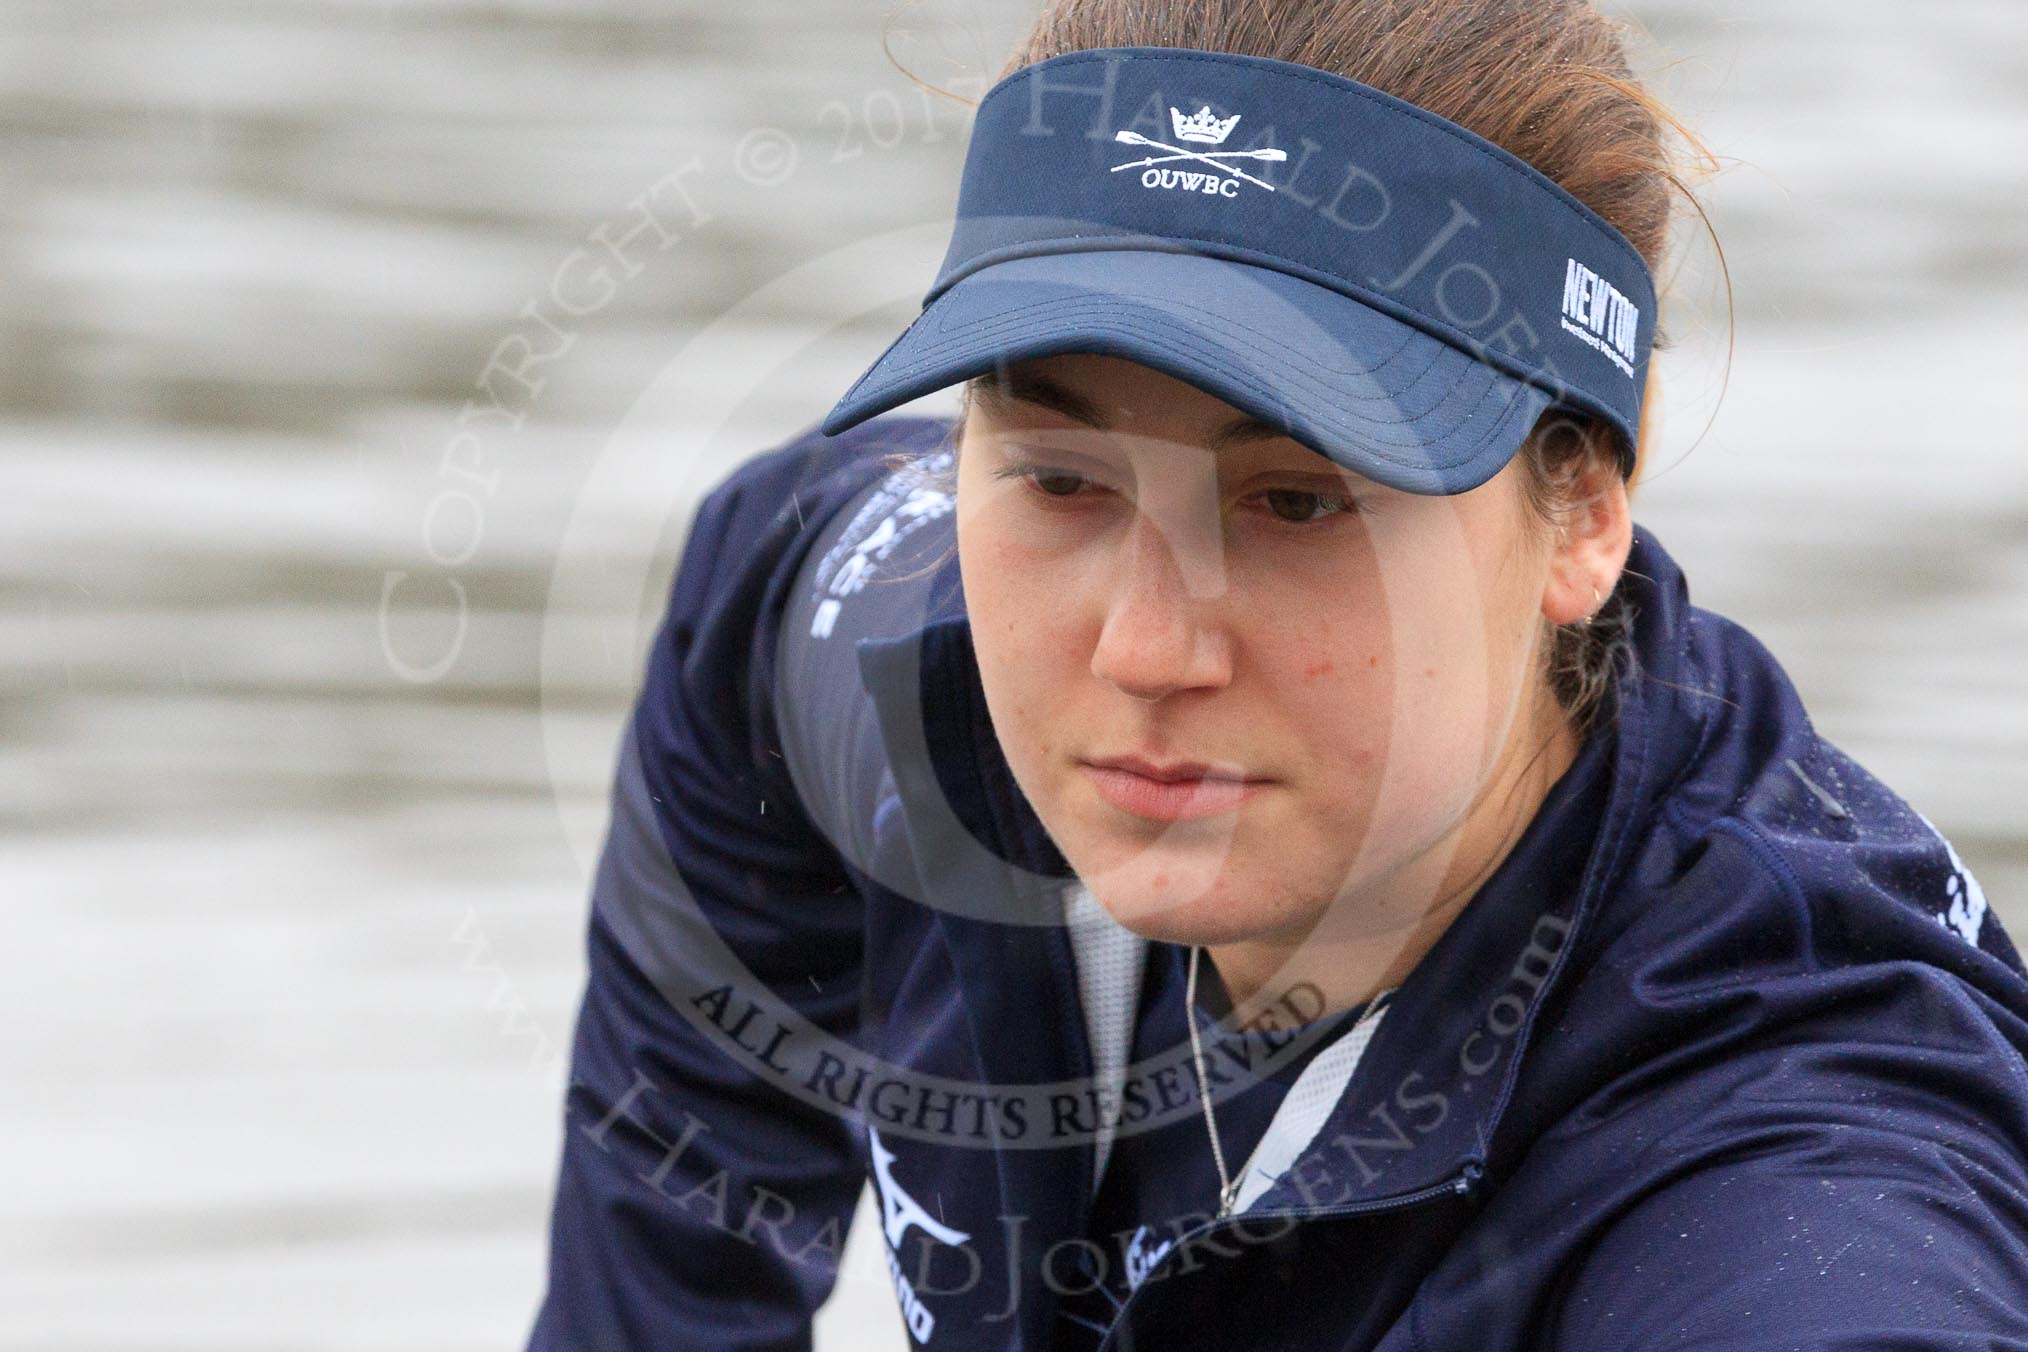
x=1214 y=159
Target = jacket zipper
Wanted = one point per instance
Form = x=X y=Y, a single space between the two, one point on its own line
x=1458 y=1183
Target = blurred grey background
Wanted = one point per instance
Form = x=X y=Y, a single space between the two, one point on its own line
x=364 y=361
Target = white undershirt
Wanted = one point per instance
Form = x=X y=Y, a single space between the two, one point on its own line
x=1111 y=960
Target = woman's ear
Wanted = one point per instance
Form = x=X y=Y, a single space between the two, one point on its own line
x=1590 y=549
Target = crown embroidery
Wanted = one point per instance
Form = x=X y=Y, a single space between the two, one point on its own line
x=1202 y=128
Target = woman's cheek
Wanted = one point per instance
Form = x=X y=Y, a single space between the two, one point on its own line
x=1340 y=702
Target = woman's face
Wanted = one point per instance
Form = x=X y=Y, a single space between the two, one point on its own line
x=1149 y=573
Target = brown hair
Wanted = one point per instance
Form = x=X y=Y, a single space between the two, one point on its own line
x=1546 y=80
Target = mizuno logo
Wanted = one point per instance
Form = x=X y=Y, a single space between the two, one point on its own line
x=898 y=1211
x=1200 y=128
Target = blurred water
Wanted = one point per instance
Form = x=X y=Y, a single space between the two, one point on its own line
x=298 y=914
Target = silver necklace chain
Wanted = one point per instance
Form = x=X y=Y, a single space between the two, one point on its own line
x=1228 y=1188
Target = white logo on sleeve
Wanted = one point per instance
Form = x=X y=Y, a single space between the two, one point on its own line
x=1964 y=901
x=899 y=1211
x=1200 y=128
x=900 y=507
x=1597 y=312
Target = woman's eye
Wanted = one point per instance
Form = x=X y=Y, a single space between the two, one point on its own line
x=1296 y=506
x=1056 y=483
x=1300 y=505
x=1046 y=479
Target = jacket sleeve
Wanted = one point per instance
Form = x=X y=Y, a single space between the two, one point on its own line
x=701 y=1202
x=1827 y=1238
x=1855 y=1179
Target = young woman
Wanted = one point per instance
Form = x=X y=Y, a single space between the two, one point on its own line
x=1239 y=837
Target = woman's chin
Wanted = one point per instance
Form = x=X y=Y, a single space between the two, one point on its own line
x=1167 y=914
x=1195 y=886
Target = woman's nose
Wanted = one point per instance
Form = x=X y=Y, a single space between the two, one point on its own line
x=1161 y=632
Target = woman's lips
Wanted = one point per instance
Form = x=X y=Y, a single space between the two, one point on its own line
x=1170 y=801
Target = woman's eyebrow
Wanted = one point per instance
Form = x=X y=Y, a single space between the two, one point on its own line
x=1031 y=387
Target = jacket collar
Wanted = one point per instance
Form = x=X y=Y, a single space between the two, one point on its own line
x=1434 y=1082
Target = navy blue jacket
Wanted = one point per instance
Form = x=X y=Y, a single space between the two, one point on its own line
x=1755 y=1075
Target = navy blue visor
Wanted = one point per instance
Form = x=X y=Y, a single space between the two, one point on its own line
x=1385 y=287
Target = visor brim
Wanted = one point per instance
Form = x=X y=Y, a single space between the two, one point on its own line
x=1370 y=392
